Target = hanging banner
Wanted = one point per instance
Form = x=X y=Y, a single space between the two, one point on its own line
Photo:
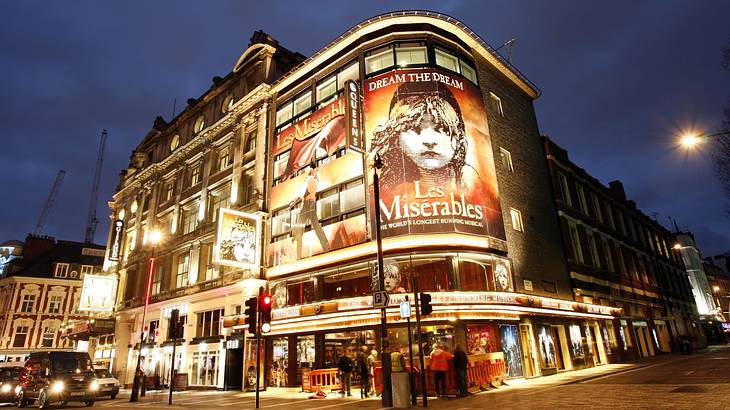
x=429 y=128
x=353 y=116
x=238 y=239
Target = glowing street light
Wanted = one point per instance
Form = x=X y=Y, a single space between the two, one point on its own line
x=691 y=139
x=155 y=237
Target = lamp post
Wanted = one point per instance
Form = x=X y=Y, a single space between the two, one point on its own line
x=691 y=139
x=387 y=397
x=154 y=238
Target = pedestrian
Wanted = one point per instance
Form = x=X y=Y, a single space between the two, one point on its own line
x=397 y=361
x=372 y=359
x=461 y=363
x=364 y=370
x=345 y=365
x=440 y=358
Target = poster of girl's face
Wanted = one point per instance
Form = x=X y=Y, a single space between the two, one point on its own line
x=429 y=128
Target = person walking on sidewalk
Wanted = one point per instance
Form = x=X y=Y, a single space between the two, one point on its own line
x=345 y=365
x=440 y=358
x=371 y=368
x=461 y=363
x=364 y=370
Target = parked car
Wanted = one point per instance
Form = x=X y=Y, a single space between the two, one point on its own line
x=57 y=377
x=108 y=384
x=9 y=373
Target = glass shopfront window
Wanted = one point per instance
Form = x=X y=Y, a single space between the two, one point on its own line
x=205 y=368
x=280 y=364
x=347 y=283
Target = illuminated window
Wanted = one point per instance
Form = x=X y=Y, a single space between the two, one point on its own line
x=303 y=103
x=216 y=201
x=21 y=334
x=284 y=114
x=169 y=190
x=516 y=220
x=352 y=72
x=575 y=243
x=157 y=278
x=247 y=189
x=227 y=104
x=446 y=60
x=251 y=141
x=352 y=196
x=329 y=204
x=154 y=325
x=28 y=303
x=280 y=162
x=194 y=174
x=379 y=60
x=410 y=54
x=61 y=270
x=326 y=91
x=183 y=265
x=224 y=158
x=468 y=71
x=54 y=304
x=199 y=124
x=87 y=270
x=281 y=222
x=49 y=335
x=175 y=142
x=496 y=104
x=211 y=269
x=506 y=159
x=190 y=218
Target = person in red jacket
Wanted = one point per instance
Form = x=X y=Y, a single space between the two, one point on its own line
x=440 y=359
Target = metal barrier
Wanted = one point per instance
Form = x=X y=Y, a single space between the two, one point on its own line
x=324 y=379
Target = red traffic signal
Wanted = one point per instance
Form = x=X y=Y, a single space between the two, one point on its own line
x=265 y=301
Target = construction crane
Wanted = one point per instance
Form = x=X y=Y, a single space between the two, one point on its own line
x=49 y=202
x=91 y=220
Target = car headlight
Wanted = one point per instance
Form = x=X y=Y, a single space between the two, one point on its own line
x=6 y=388
x=17 y=389
x=94 y=385
x=57 y=387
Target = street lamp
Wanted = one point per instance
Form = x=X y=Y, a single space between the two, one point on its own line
x=154 y=238
x=692 y=139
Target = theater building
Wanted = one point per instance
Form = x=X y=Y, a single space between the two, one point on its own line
x=618 y=256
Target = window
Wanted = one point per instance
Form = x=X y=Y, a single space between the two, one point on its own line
x=597 y=207
x=281 y=222
x=157 y=278
x=251 y=141
x=21 y=334
x=28 y=303
x=217 y=201
x=183 y=265
x=506 y=159
x=190 y=218
x=154 y=325
x=329 y=204
x=496 y=104
x=379 y=60
x=194 y=174
x=326 y=90
x=575 y=243
x=174 y=142
x=352 y=196
x=61 y=270
x=594 y=249
x=471 y=74
x=87 y=270
x=607 y=255
x=447 y=60
x=211 y=269
x=208 y=323
x=224 y=158
x=227 y=104
x=284 y=114
x=516 y=220
x=49 y=335
x=54 y=304
x=407 y=54
x=247 y=191
x=169 y=190
x=199 y=124
x=280 y=162
x=564 y=192
x=582 y=199
x=348 y=73
x=303 y=103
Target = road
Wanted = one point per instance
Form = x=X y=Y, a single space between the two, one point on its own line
x=699 y=381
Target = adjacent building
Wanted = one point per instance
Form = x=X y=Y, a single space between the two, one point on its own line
x=618 y=256
x=40 y=294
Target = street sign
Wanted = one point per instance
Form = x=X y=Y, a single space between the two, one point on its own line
x=380 y=299
x=405 y=309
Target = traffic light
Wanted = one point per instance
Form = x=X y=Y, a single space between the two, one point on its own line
x=175 y=329
x=265 y=306
x=251 y=313
x=426 y=308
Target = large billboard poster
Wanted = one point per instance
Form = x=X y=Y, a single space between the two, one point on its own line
x=239 y=235
x=430 y=130
x=98 y=293
x=318 y=196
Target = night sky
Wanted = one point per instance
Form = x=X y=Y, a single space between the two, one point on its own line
x=619 y=82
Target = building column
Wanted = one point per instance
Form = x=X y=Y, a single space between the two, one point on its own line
x=239 y=138
x=259 y=176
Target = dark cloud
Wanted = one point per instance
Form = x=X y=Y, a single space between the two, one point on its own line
x=619 y=79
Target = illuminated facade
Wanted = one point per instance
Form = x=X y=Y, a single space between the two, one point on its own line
x=40 y=294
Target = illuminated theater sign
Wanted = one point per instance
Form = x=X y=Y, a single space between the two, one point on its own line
x=430 y=130
x=238 y=239
x=98 y=293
